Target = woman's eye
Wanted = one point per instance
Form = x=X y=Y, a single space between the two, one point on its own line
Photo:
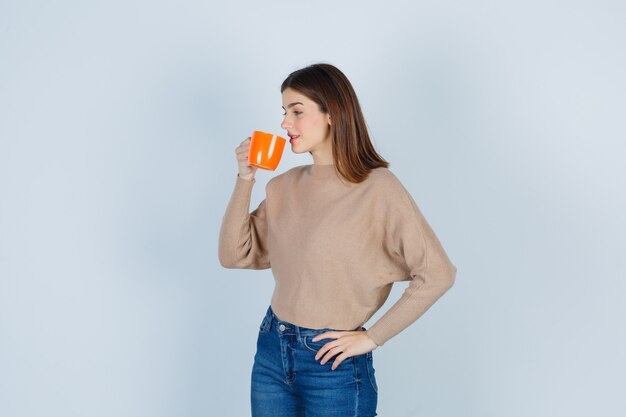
x=297 y=112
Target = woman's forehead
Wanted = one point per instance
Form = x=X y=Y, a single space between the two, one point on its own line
x=292 y=95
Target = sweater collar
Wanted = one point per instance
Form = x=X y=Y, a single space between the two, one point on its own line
x=322 y=170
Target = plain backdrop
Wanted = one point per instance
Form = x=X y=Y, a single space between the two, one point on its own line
x=118 y=127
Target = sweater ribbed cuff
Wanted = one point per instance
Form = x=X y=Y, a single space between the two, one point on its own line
x=378 y=339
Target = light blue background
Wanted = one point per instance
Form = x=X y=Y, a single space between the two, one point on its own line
x=118 y=125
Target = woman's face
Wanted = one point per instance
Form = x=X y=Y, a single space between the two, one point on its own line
x=308 y=128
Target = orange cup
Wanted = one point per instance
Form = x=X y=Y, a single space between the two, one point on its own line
x=266 y=150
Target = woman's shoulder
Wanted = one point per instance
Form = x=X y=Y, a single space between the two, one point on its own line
x=389 y=185
x=384 y=177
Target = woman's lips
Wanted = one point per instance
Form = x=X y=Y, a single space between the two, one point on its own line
x=293 y=138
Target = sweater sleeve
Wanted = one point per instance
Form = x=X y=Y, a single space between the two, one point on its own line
x=243 y=235
x=412 y=242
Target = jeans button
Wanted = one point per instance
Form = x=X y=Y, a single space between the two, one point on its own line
x=281 y=327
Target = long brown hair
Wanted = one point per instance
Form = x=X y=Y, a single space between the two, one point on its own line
x=353 y=154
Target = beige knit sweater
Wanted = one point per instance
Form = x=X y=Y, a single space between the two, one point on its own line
x=336 y=248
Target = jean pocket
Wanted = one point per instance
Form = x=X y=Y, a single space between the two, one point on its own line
x=308 y=343
x=369 y=360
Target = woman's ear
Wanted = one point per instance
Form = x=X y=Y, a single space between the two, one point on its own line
x=328 y=119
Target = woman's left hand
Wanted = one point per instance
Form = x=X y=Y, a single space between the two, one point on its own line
x=350 y=343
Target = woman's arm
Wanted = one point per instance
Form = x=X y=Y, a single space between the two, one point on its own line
x=243 y=235
x=414 y=244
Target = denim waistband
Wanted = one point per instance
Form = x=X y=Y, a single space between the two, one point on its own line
x=271 y=321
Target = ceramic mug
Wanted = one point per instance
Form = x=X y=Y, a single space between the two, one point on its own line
x=266 y=149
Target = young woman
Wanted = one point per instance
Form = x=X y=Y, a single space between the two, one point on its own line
x=337 y=234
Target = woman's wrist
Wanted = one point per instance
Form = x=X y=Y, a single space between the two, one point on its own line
x=249 y=178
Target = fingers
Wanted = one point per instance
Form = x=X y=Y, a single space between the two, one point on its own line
x=343 y=355
x=328 y=355
x=345 y=345
x=245 y=143
x=338 y=361
x=326 y=335
x=328 y=346
x=242 y=150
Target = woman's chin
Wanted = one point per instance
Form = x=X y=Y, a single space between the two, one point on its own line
x=295 y=149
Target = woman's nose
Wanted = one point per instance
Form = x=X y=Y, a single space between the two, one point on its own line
x=285 y=125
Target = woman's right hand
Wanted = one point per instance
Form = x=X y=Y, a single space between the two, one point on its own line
x=246 y=171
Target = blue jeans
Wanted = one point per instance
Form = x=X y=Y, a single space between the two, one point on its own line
x=287 y=381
